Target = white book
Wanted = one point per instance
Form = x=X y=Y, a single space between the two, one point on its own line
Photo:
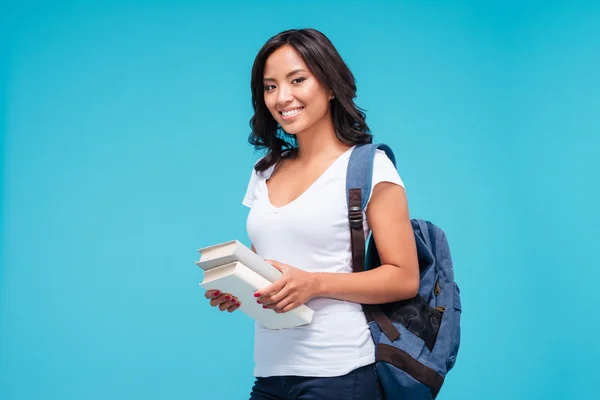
x=233 y=268
x=228 y=252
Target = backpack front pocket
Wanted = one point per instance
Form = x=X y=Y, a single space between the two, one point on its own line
x=401 y=375
x=418 y=317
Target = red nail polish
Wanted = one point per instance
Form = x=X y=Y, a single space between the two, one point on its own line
x=258 y=301
x=256 y=295
x=227 y=298
x=264 y=306
x=218 y=292
x=238 y=304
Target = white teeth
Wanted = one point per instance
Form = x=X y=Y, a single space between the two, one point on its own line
x=292 y=112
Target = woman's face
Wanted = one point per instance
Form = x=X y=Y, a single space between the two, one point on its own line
x=293 y=95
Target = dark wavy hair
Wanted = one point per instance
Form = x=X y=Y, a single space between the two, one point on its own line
x=327 y=65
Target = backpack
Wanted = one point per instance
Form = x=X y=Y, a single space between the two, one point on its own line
x=416 y=340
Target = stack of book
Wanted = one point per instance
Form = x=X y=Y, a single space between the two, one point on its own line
x=231 y=267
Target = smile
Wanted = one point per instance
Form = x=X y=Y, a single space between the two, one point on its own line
x=292 y=113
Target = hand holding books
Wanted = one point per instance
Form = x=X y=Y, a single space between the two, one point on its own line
x=293 y=289
x=235 y=270
x=225 y=301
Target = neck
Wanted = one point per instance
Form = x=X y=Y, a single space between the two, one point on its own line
x=319 y=142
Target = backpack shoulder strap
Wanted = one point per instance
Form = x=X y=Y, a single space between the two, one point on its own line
x=359 y=177
x=358 y=189
x=360 y=169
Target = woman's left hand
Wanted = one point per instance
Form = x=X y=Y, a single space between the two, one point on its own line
x=293 y=289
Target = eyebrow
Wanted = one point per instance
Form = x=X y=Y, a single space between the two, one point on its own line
x=287 y=76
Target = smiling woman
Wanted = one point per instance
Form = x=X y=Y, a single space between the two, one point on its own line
x=305 y=118
x=288 y=94
x=301 y=69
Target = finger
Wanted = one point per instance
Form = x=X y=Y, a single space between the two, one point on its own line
x=210 y=294
x=276 y=264
x=280 y=305
x=285 y=305
x=234 y=307
x=226 y=305
x=274 y=298
x=223 y=297
x=289 y=307
x=229 y=301
x=271 y=289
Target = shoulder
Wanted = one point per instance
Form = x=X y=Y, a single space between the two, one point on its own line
x=273 y=165
x=384 y=170
x=382 y=159
x=260 y=174
x=253 y=182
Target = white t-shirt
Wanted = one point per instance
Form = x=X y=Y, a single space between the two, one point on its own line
x=312 y=233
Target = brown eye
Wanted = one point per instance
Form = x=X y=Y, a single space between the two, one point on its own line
x=299 y=80
x=269 y=87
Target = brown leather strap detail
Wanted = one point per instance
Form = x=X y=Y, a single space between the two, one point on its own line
x=406 y=363
x=357 y=237
x=383 y=321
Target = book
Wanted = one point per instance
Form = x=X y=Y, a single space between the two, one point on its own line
x=242 y=282
x=233 y=268
x=224 y=253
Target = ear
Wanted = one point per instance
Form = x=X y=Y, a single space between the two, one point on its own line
x=331 y=95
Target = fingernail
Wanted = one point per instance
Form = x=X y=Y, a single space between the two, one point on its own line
x=264 y=306
x=238 y=304
x=258 y=301
x=227 y=297
x=216 y=293
x=256 y=295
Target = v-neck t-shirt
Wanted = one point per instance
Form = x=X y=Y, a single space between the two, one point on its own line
x=312 y=233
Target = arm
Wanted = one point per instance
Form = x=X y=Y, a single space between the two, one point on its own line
x=398 y=276
x=396 y=279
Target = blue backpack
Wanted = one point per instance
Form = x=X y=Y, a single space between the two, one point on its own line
x=416 y=340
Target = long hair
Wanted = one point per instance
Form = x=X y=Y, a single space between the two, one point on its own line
x=327 y=65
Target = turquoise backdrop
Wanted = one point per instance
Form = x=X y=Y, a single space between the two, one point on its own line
x=124 y=148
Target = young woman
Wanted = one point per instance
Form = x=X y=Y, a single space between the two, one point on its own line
x=305 y=117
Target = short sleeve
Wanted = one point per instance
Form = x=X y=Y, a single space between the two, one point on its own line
x=250 y=191
x=384 y=171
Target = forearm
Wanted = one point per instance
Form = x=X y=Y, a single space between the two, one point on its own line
x=384 y=284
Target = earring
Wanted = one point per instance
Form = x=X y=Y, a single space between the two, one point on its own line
x=332 y=97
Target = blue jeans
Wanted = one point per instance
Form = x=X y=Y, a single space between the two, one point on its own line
x=360 y=384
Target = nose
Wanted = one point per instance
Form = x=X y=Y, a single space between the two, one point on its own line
x=284 y=95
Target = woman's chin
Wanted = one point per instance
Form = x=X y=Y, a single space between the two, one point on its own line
x=291 y=129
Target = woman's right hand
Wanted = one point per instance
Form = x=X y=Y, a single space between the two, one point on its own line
x=225 y=301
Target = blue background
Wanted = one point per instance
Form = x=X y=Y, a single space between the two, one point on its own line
x=124 y=149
